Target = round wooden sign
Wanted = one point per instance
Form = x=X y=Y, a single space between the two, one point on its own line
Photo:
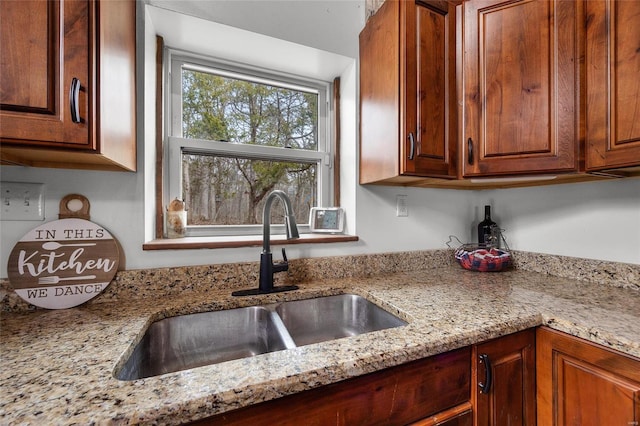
x=63 y=263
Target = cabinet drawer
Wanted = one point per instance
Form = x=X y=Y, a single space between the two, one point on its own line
x=397 y=395
x=461 y=415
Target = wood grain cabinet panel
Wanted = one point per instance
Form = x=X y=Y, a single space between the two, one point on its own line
x=460 y=415
x=520 y=75
x=67 y=80
x=34 y=53
x=408 y=109
x=504 y=380
x=44 y=46
x=612 y=84
x=580 y=383
x=394 y=396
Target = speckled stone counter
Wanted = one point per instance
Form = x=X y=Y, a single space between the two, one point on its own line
x=57 y=366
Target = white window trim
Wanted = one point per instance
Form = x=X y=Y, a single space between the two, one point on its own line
x=175 y=144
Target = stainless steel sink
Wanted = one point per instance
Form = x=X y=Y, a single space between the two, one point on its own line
x=189 y=341
x=333 y=317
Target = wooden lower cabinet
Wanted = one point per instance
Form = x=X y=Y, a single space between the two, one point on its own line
x=536 y=376
x=395 y=396
x=503 y=380
x=580 y=383
x=460 y=415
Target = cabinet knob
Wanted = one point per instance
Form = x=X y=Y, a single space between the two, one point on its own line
x=74 y=100
x=488 y=375
x=470 y=151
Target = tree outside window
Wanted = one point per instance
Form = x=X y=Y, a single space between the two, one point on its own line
x=223 y=189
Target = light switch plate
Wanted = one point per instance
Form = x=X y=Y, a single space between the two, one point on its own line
x=22 y=201
x=401 y=206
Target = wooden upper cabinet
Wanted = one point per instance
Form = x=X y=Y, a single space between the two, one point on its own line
x=582 y=383
x=67 y=80
x=520 y=74
x=38 y=66
x=612 y=59
x=408 y=109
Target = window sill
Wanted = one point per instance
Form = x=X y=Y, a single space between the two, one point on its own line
x=189 y=243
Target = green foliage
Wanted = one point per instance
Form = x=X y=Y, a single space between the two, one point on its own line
x=230 y=191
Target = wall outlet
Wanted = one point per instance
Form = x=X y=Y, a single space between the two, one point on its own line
x=21 y=201
x=401 y=206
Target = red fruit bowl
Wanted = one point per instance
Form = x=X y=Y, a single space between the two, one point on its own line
x=476 y=257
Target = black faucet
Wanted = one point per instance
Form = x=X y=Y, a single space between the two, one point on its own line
x=267 y=267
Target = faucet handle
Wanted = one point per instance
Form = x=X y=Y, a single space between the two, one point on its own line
x=281 y=266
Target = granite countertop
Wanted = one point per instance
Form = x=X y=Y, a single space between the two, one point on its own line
x=57 y=366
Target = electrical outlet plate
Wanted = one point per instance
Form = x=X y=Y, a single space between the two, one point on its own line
x=401 y=206
x=22 y=201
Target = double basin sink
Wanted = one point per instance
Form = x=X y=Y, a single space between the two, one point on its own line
x=189 y=341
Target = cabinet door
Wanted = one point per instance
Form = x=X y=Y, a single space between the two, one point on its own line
x=583 y=384
x=520 y=73
x=612 y=84
x=50 y=49
x=431 y=107
x=380 y=58
x=504 y=380
x=44 y=48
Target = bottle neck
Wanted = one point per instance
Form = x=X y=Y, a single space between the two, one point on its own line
x=487 y=212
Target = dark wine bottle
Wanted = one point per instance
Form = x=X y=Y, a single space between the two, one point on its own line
x=486 y=229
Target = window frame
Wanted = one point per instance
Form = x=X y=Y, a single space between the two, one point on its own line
x=176 y=144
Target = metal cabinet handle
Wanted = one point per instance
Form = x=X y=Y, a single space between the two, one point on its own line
x=412 y=145
x=486 y=386
x=470 y=151
x=74 y=103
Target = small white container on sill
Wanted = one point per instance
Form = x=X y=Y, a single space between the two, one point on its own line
x=176 y=219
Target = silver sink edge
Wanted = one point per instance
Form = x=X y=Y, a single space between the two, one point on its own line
x=274 y=316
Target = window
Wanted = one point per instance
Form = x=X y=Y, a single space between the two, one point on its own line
x=235 y=135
